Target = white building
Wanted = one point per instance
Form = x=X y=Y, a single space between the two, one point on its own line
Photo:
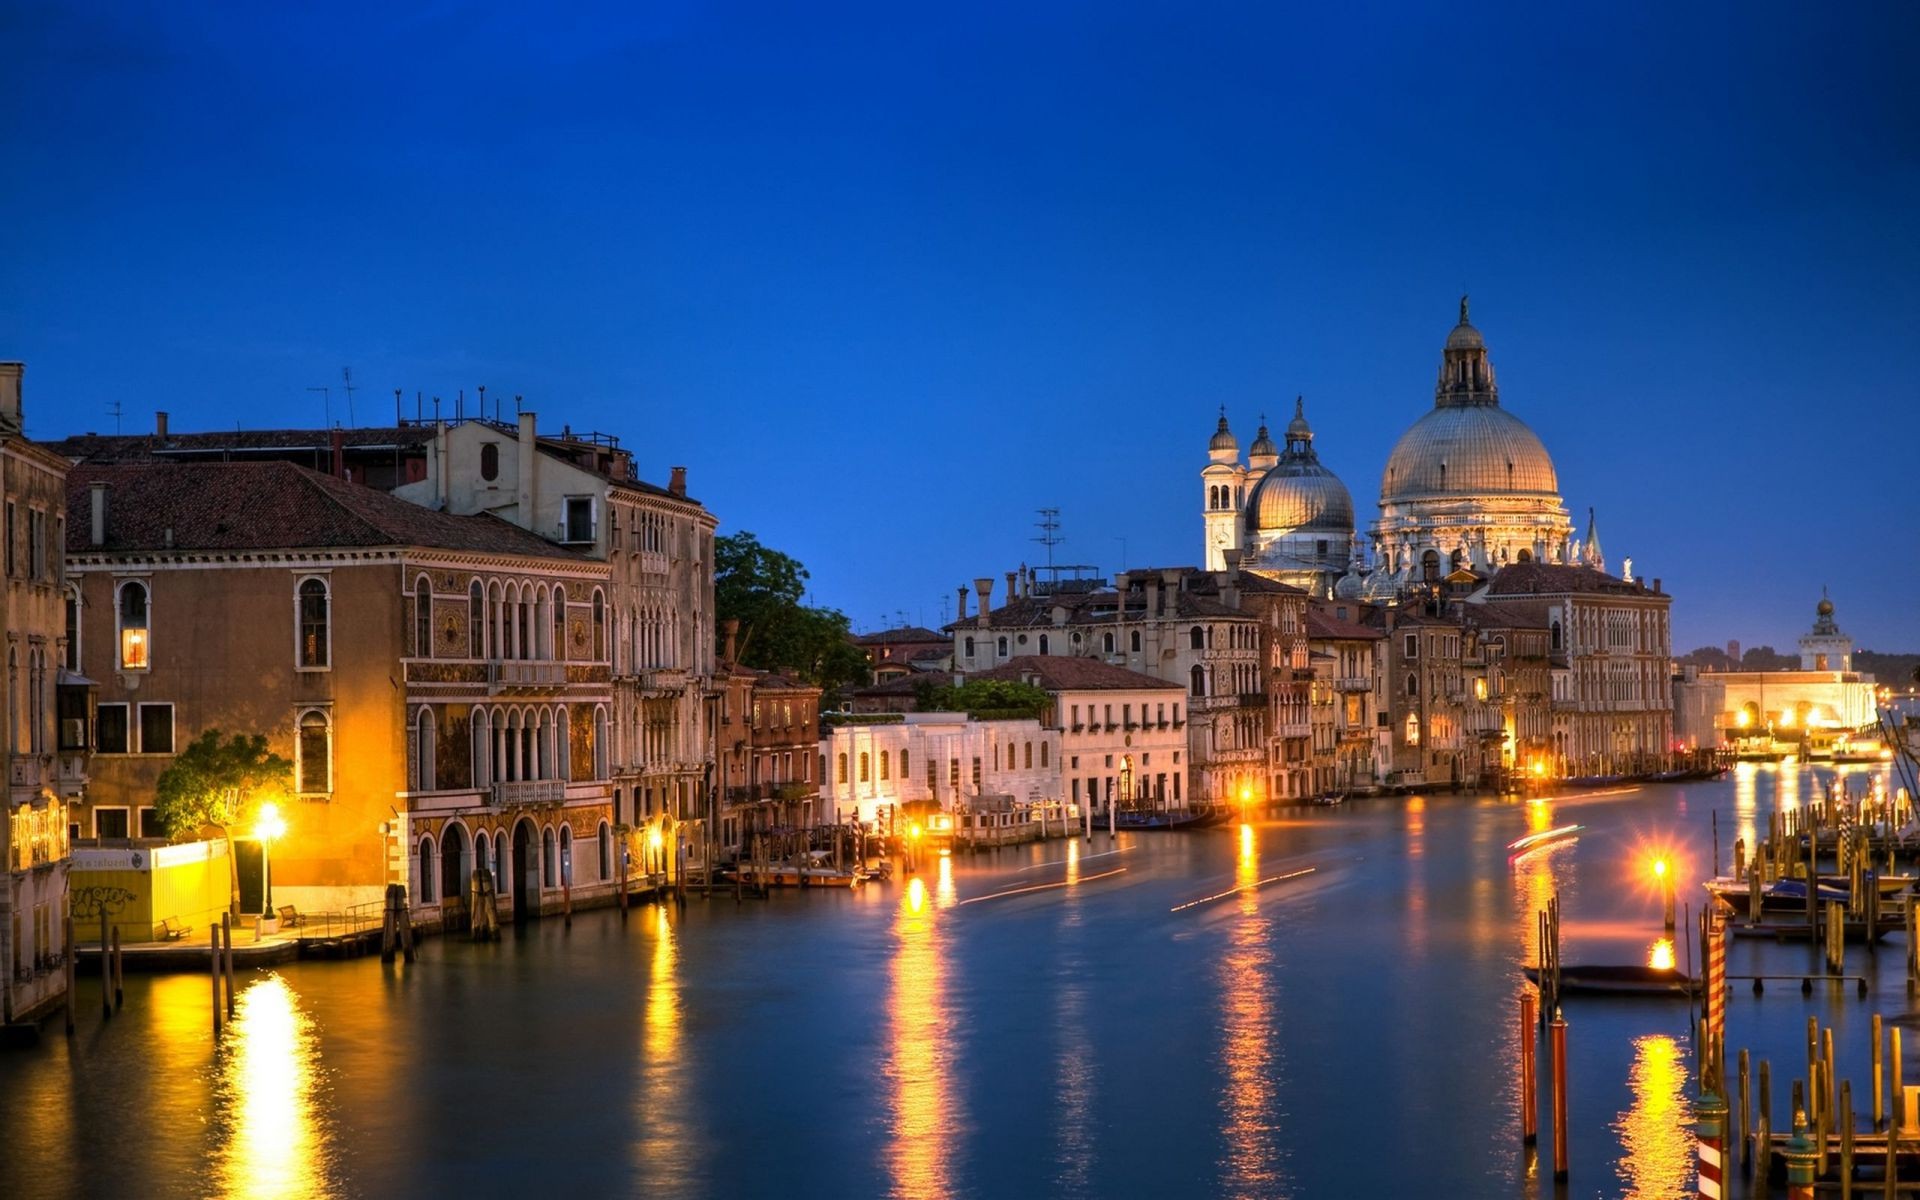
x=1122 y=734
x=879 y=767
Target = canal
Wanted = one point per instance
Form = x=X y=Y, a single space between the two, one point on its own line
x=1319 y=1004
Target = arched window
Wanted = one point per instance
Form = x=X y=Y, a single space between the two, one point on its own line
x=1456 y=559
x=606 y=851
x=1028 y=757
x=863 y=767
x=483 y=854
x=1136 y=641
x=136 y=644
x=1199 y=680
x=563 y=744
x=1413 y=685
x=476 y=621
x=883 y=766
x=1001 y=645
x=482 y=746
x=1525 y=556
x=600 y=747
x=903 y=764
x=73 y=629
x=1106 y=642
x=314 y=749
x=1197 y=639
x=312 y=605
x=549 y=860
x=1043 y=755
x=1556 y=635
x=841 y=776
x=1043 y=643
x=599 y=627
x=560 y=623
x=490 y=461
x=1430 y=566
x=428 y=863
x=423 y=780
x=969 y=647
x=422 y=618
x=566 y=855
x=501 y=860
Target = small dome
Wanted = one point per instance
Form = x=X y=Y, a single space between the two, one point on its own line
x=1464 y=335
x=1263 y=444
x=1825 y=607
x=1300 y=497
x=1297 y=429
x=1223 y=438
x=1349 y=587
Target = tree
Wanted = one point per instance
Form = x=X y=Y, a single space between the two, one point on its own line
x=216 y=783
x=763 y=589
x=992 y=698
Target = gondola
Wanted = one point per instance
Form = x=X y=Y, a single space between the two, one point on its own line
x=1622 y=980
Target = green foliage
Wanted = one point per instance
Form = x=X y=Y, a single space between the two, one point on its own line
x=991 y=698
x=763 y=589
x=217 y=782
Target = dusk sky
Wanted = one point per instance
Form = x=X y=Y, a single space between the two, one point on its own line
x=889 y=279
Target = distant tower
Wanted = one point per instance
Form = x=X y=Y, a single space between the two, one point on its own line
x=1733 y=653
x=1826 y=648
x=1223 y=488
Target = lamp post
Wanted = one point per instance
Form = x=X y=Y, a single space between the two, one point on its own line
x=1664 y=874
x=268 y=827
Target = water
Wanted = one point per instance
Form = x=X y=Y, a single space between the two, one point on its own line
x=1317 y=1005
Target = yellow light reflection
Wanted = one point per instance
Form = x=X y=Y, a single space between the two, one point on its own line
x=943 y=893
x=662 y=1152
x=1660 y=955
x=922 y=1101
x=1073 y=1124
x=1539 y=815
x=1744 y=774
x=277 y=1139
x=1252 y=1164
x=1656 y=1141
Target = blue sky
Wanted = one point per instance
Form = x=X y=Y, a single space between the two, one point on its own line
x=887 y=279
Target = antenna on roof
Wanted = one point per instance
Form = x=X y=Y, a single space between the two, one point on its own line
x=326 y=405
x=1050 y=536
x=399 y=418
x=482 y=389
x=346 y=382
x=114 y=408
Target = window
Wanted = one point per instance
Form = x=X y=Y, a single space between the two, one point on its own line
x=1029 y=756
x=1196 y=639
x=110 y=729
x=314 y=748
x=476 y=621
x=1043 y=754
x=863 y=766
x=490 y=461
x=1198 y=680
x=156 y=729
x=550 y=858
x=599 y=627
x=606 y=852
x=426 y=870
x=150 y=826
x=883 y=766
x=110 y=822
x=969 y=647
x=841 y=774
x=1106 y=643
x=73 y=630
x=136 y=646
x=579 y=522
x=1001 y=645
x=313 y=616
x=422 y=618
x=560 y=623
x=1043 y=643
x=903 y=764
x=425 y=749
x=1136 y=641
x=1413 y=646
x=12 y=518
x=36 y=544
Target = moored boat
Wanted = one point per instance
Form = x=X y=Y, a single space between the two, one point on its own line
x=1622 y=980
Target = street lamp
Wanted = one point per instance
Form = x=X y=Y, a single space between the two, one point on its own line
x=1664 y=874
x=267 y=827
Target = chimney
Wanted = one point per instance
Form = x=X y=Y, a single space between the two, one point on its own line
x=1059 y=614
x=677 y=481
x=1013 y=592
x=99 y=530
x=527 y=471
x=963 y=604
x=1656 y=585
x=983 y=587
x=160 y=425
x=1169 y=590
x=732 y=626
x=339 y=439
x=1153 y=596
x=1230 y=584
x=11 y=416
x=443 y=491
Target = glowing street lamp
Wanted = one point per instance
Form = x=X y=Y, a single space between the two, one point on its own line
x=267 y=827
x=1663 y=871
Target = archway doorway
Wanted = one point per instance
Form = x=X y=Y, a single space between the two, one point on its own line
x=526 y=870
x=453 y=863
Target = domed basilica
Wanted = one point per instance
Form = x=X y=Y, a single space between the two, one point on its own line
x=1467 y=488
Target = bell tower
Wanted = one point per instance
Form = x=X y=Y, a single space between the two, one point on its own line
x=1223 y=486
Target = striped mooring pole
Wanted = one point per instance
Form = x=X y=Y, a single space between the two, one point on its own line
x=1711 y=1125
x=1800 y=1157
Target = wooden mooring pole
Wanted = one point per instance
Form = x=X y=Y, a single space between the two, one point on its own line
x=1529 y=1046
x=226 y=936
x=1558 y=1051
x=68 y=966
x=119 y=975
x=213 y=973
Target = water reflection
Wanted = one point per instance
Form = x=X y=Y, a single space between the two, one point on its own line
x=1660 y=954
x=1074 y=1086
x=1252 y=1164
x=662 y=1153
x=923 y=1105
x=276 y=1139
x=1746 y=802
x=1656 y=1145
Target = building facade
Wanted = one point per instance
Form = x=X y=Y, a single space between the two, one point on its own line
x=876 y=771
x=45 y=718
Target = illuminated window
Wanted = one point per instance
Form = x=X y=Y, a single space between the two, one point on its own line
x=136 y=647
x=841 y=775
x=314 y=605
x=1043 y=754
x=863 y=766
x=883 y=766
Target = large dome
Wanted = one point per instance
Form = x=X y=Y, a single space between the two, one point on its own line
x=1471 y=450
x=1300 y=497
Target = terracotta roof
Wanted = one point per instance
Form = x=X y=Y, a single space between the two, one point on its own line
x=1510 y=616
x=1538 y=579
x=1326 y=626
x=1058 y=673
x=98 y=448
x=905 y=684
x=906 y=633
x=269 y=506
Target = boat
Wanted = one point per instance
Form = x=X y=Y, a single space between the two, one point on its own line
x=1621 y=980
x=1791 y=894
x=1587 y=781
x=1546 y=837
x=814 y=871
x=1138 y=819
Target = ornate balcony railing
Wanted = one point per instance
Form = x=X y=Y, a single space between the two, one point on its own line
x=529 y=791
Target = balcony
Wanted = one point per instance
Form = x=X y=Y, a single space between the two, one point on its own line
x=661 y=679
x=507 y=674
x=1253 y=699
x=1353 y=683
x=529 y=791
x=1292 y=729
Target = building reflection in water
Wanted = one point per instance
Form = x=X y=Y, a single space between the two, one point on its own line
x=271 y=1137
x=1655 y=1139
x=663 y=1157
x=1074 y=1067
x=1252 y=1164
x=923 y=1104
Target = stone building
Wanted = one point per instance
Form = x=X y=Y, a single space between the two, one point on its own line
x=45 y=716
x=1807 y=710
x=878 y=771
x=580 y=491
x=907 y=650
x=1436 y=699
x=766 y=745
x=439 y=682
x=1516 y=642
x=1346 y=662
x=1289 y=516
x=1617 y=639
